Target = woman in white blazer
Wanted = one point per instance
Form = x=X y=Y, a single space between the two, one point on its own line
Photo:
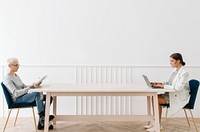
x=178 y=80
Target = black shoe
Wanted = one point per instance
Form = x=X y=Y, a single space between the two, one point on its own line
x=51 y=117
x=41 y=122
x=42 y=128
x=51 y=127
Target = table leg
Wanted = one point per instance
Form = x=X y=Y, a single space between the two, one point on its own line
x=46 y=125
x=54 y=108
x=156 y=113
x=149 y=106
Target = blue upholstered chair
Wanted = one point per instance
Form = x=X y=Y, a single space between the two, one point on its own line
x=194 y=86
x=12 y=105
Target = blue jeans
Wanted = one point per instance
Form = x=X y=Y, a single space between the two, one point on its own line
x=33 y=97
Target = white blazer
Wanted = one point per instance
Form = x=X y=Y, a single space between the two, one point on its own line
x=180 y=97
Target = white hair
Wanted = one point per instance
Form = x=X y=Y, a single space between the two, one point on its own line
x=12 y=60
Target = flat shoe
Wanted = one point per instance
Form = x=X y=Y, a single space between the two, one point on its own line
x=148 y=126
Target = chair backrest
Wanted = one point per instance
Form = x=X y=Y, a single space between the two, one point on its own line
x=194 y=86
x=7 y=95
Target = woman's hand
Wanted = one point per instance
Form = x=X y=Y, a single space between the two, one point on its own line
x=157 y=84
x=39 y=83
x=34 y=85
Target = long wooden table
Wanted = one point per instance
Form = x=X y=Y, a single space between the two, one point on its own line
x=100 y=90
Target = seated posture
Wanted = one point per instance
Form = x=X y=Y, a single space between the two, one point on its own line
x=19 y=92
x=178 y=81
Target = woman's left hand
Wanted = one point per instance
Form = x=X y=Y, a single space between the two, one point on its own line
x=159 y=85
x=34 y=85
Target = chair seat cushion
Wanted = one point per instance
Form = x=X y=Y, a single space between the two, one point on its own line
x=20 y=105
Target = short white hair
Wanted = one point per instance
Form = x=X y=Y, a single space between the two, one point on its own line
x=12 y=60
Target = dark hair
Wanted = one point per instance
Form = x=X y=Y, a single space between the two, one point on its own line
x=178 y=56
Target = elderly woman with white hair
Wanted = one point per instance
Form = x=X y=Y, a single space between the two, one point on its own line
x=19 y=92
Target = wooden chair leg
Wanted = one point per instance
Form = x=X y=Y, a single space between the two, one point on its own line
x=193 y=120
x=7 y=120
x=16 y=117
x=34 y=119
x=187 y=117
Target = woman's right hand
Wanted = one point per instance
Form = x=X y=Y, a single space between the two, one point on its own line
x=156 y=83
x=34 y=85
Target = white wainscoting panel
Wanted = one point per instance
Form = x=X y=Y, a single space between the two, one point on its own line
x=101 y=74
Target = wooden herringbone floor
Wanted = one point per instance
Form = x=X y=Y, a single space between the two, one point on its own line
x=26 y=125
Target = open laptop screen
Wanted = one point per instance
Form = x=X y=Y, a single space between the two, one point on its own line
x=148 y=82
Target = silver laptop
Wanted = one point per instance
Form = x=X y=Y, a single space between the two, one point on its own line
x=148 y=82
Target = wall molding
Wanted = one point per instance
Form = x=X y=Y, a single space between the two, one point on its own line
x=100 y=71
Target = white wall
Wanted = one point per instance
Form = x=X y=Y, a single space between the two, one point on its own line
x=122 y=32
x=99 y=31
